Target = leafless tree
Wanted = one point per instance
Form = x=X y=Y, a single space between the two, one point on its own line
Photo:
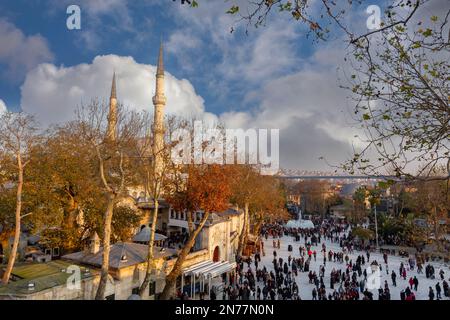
x=114 y=169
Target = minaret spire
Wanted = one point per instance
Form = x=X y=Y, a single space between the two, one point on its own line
x=159 y=102
x=160 y=70
x=113 y=87
x=111 y=134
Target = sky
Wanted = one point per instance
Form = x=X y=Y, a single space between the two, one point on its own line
x=273 y=77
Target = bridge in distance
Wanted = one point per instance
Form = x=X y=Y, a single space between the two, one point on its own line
x=337 y=177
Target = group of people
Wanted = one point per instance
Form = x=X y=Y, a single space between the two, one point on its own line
x=349 y=273
x=349 y=282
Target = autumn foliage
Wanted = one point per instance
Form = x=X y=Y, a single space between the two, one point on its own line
x=206 y=188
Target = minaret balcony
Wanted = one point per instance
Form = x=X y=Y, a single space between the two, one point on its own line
x=159 y=99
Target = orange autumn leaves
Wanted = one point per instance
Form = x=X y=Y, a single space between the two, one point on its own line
x=207 y=188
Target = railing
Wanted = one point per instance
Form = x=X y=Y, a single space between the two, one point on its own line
x=178 y=223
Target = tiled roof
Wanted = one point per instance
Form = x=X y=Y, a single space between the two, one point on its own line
x=122 y=254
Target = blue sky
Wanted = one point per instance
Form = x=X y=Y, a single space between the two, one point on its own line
x=138 y=36
x=274 y=77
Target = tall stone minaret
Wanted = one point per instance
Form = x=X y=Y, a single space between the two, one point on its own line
x=111 y=133
x=159 y=101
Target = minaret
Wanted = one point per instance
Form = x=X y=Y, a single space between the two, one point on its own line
x=159 y=101
x=111 y=133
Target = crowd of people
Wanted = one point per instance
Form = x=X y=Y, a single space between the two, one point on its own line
x=352 y=280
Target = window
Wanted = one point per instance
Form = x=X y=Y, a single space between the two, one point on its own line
x=56 y=252
x=152 y=288
x=111 y=297
x=135 y=290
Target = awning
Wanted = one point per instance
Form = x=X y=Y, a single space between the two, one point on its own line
x=221 y=270
x=209 y=269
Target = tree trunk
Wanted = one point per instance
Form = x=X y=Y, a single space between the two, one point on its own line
x=13 y=253
x=150 y=250
x=100 y=295
x=172 y=277
x=243 y=235
x=258 y=226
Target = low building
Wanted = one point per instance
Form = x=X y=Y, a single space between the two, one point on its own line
x=49 y=281
x=220 y=235
x=57 y=280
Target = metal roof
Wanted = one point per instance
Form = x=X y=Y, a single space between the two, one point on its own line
x=209 y=269
x=144 y=236
x=122 y=254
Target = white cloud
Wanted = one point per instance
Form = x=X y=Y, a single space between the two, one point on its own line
x=281 y=88
x=19 y=52
x=181 y=45
x=2 y=107
x=310 y=112
x=309 y=108
x=53 y=93
x=266 y=52
x=180 y=40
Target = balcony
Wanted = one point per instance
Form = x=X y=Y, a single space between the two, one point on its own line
x=177 y=219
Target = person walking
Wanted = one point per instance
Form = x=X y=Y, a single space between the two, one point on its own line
x=314 y=294
x=416 y=283
x=431 y=294
x=411 y=282
x=446 y=288
x=438 y=291
x=394 y=278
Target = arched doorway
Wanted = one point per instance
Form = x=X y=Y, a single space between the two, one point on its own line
x=216 y=254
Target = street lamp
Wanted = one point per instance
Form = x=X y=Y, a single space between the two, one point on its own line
x=374 y=199
x=376 y=225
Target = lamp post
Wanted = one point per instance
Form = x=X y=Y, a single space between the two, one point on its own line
x=374 y=198
x=376 y=225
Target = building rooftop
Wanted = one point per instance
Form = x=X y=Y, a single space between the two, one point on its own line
x=122 y=255
x=144 y=236
x=42 y=275
x=219 y=217
x=149 y=203
x=229 y=212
